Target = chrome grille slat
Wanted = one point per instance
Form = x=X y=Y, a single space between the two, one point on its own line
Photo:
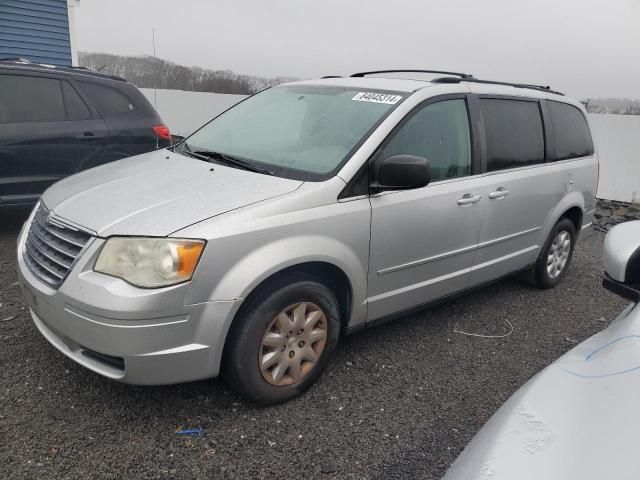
x=41 y=235
x=42 y=274
x=51 y=250
x=43 y=265
x=43 y=251
x=52 y=231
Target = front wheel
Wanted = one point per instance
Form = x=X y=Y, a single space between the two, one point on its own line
x=556 y=255
x=283 y=340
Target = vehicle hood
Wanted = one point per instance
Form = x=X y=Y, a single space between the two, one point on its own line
x=157 y=193
x=578 y=418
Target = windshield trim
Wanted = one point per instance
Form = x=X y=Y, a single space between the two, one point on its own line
x=305 y=175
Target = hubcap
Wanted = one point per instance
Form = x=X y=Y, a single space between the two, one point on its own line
x=559 y=254
x=293 y=344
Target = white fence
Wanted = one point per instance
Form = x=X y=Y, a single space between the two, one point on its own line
x=183 y=112
x=617 y=137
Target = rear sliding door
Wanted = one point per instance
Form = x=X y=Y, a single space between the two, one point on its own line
x=519 y=190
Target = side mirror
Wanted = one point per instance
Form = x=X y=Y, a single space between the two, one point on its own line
x=403 y=172
x=622 y=260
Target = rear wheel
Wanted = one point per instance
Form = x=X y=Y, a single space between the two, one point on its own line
x=283 y=340
x=556 y=255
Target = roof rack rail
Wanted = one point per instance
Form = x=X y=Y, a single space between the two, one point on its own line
x=15 y=59
x=440 y=72
x=543 y=88
x=85 y=70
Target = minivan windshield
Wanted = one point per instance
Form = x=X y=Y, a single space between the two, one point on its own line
x=296 y=131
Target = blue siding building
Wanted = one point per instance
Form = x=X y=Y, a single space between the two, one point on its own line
x=37 y=30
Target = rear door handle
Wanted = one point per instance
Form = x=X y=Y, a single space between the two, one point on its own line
x=498 y=194
x=468 y=199
x=86 y=136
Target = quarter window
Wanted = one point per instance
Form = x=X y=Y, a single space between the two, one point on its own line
x=513 y=131
x=570 y=130
x=30 y=99
x=75 y=106
x=440 y=133
x=108 y=100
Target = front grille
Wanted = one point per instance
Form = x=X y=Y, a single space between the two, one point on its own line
x=52 y=247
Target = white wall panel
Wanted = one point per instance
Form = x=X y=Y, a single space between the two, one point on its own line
x=184 y=112
x=617 y=139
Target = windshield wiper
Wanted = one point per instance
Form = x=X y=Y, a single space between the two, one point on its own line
x=186 y=149
x=209 y=155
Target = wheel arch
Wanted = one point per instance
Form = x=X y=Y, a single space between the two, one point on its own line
x=572 y=206
x=338 y=264
x=329 y=274
x=575 y=214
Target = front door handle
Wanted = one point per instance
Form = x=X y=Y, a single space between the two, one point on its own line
x=498 y=194
x=468 y=199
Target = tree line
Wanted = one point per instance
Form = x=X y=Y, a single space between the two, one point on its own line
x=152 y=72
x=620 y=106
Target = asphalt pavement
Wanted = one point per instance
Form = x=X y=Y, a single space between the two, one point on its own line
x=399 y=400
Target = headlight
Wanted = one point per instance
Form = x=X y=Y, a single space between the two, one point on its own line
x=150 y=262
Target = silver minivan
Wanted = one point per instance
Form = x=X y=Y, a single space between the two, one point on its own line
x=301 y=214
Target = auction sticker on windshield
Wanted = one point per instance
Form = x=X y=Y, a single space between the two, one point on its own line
x=377 y=98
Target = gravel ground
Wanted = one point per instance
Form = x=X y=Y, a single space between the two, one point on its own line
x=399 y=401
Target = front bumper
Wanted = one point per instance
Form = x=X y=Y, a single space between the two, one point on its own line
x=134 y=335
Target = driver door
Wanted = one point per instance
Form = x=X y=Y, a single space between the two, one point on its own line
x=423 y=240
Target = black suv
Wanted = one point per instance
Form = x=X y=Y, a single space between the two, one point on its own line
x=56 y=121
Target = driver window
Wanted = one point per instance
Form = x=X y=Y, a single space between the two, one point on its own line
x=438 y=132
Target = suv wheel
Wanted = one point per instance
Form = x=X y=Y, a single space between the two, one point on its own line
x=556 y=255
x=283 y=340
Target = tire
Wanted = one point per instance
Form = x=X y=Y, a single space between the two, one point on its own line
x=268 y=374
x=547 y=274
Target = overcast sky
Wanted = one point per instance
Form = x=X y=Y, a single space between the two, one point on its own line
x=587 y=48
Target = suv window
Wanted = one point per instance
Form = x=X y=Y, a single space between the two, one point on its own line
x=74 y=105
x=514 y=133
x=440 y=133
x=571 y=131
x=30 y=99
x=108 y=100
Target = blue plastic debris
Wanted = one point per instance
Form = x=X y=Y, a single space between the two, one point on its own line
x=190 y=431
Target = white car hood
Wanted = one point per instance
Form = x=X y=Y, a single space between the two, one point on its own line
x=578 y=418
x=157 y=193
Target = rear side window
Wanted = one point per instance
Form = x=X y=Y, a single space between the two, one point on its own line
x=75 y=106
x=570 y=130
x=108 y=100
x=30 y=99
x=514 y=133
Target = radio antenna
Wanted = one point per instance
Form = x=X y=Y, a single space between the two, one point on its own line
x=155 y=84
